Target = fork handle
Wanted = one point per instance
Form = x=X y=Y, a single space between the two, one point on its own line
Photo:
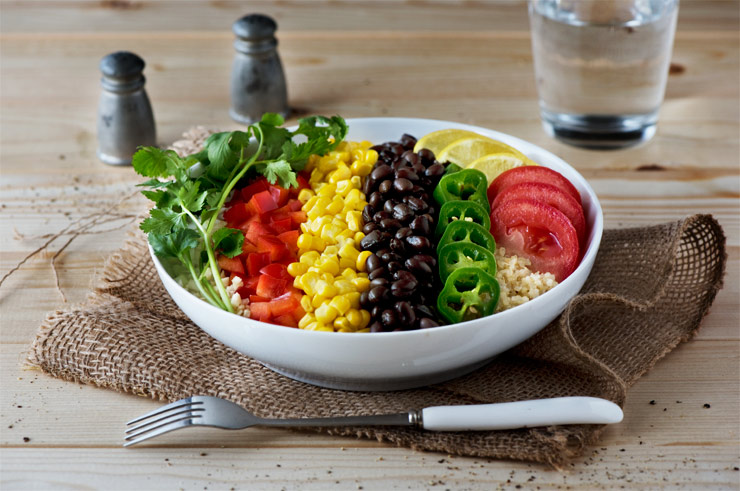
x=521 y=414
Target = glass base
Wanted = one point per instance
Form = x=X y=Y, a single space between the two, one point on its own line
x=599 y=132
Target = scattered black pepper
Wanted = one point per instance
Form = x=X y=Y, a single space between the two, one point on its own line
x=203 y=454
x=621 y=449
x=652 y=403
x=26 y=439
x=707 y=406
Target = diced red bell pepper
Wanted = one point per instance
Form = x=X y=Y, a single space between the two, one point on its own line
x=295 y=205
x=286 y=320
x=257 y=230
x=277 y=270
x=257 y=261
x=279 y=194
x=298 y=217
x=250 y=286
x=270 y=287
x=238 y=213
x=247 y=247
x=290 y=238
x=257 y=186
x=264 y=202
x=230 y=264
x=275 y=247
x=260 y=311
x=286 y=303
x=282 y=225
x=257 y=298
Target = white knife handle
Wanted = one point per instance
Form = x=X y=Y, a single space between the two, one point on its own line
x=522 y=414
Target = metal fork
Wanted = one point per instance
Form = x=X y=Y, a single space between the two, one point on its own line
x=220 y=413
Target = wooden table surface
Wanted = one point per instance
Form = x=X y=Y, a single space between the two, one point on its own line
x=462 y=61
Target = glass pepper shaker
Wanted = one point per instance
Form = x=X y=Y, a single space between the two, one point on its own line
x=125 y=118
x=257 y=78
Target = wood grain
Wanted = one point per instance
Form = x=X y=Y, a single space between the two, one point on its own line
x=468 y=61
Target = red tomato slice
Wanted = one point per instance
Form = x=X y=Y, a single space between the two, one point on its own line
x=539 y=232
x=549 y=195
x=256 y=261
x=257 y=186
x=269 y=287
x=531 y=173
x=230 y=264
x=275 y=247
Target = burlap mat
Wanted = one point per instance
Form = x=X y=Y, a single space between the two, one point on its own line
x=649 y=289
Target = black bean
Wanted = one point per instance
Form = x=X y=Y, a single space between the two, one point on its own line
x=429 y=216
x=364 y=300
x=420 y=225
x=423 y=311
x=418 y=242
x=376 y=273
x=377 y=294
x=379 y=282
x=371 y=240
x=373 y=262
x=368 y=186
x=402 y=212
x=435 y=170
x=404 y=275
x=388 y=318
x=385 y=186
x=419 y=168
x=426 y=323
x=369 y=227
x=402 y=185
x=426 y=155
x=416 y=265
x=376 y=327
x=389 y=256
x=390 y=224
x=416 y=204
x=403 y=232
x=397 y=148
x=388 y=206
x=403 y=288
x=407 y=173
x=377 y=217
x=394 y=266
x=381 y=172
x=375 y=311
x=406 y=313
x=376 y=200
x=397 y=245
x=407 y=141
x=430 y=260
x=411 y=158
x=367 y=213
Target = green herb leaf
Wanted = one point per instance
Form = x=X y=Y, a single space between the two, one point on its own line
x=174 y=244
x=155 y=162
x=229 y=241
x=280 y=171
x=162 y=221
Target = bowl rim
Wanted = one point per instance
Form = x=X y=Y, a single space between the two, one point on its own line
x=595 y=235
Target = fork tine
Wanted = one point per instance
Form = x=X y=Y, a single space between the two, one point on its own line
x=166 y=428
x=177 y=404
x=164 y=418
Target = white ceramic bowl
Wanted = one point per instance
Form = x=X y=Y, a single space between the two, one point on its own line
x=398 y=360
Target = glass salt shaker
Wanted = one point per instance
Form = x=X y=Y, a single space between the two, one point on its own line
x=125 y=118
x=257 y=78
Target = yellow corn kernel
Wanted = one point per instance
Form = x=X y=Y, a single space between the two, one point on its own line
x=341 y=303
x=358 y=237
x=354 y=317
x=297 y=283
x=306 y=320
x=344 y=286
x=342 y=324
x=354 y=220
x=308 y=205
x=361 y=168
x=354 y=299
x=306 y=304
x=361 y=284
x=309 y=282
x=356 y=182
x=343 y=187
x=328 y=277
x=342 y=172
x=305 y=195
x=345 y=263
x=348 y=250
x=304 y=241
x=326 y=313
x=309 y=257
x=335 y=206
x=316 y=176
x=297 y=269
x=361 y=264
x=325 y=289
x=311 y=326
x=365 y=317
x=349 y=274
x=328 y=190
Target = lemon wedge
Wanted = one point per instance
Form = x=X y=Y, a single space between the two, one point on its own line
x=494 y=164
x=466 y=150
x=436 y=141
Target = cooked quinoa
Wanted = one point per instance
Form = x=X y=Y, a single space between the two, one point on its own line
x=518 y=283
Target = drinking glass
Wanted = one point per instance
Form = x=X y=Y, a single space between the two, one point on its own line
x=601 y=67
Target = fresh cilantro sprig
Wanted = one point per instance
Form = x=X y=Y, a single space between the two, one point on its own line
x=188 y=192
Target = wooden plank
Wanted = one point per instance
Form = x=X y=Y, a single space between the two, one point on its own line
x=314 y=15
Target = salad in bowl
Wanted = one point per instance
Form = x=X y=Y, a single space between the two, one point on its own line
x=351 y=254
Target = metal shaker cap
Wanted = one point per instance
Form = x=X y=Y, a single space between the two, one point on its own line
x=122 y=71
x=255 y=27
